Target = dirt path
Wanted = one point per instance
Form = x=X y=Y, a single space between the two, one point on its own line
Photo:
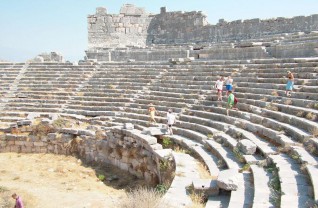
x=52 y=181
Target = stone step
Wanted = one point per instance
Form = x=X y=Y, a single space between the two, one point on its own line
x=218 y=201
x=243 y=196
x=303 y=156
x=161 y=107
x=296 y=121
x=224 y=154
x=193 y=135
x=262 y=191
x=94 y=108
x=262 y=145
x=185 y=173
x=101 y=99
x=89 y=113
x=313 y=172
x=33 y=109
x=298 y=95
x=294 y=185
x=209 y=132
x=260 y=118
x=209 y=159
x=160 y=101
x=287 y=106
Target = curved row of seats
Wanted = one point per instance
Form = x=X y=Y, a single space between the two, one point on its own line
x=120 y=92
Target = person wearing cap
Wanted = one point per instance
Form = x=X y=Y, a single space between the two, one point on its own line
x=152 y=112
x=290 y=84
x=171 y=119
x=18 y=201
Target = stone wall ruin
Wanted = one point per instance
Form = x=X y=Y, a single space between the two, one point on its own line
x=129 y=150
x=134 y=27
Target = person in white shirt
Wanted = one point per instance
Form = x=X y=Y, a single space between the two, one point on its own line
x=219 y=86
x=171 y=119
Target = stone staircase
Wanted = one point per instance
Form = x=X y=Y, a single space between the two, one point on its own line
x=283 y=129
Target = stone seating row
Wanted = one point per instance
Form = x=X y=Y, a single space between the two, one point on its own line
x=265 y=117
x=299 y=95
x=261 y=99
x=285 y=203
x=285 y=113
x=181 y=136
x=186 y=171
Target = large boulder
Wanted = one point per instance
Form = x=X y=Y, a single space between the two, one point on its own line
x=246 y=146
x=228 y=180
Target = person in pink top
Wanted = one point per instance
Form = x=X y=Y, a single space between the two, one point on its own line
x=18 y=201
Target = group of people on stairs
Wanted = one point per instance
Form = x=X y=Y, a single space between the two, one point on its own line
x=231 y=99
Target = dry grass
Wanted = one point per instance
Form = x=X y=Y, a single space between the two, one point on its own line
x=285 y=149
x=198 y=198
x=300 y=113
x=310 y=147
x=203 y=171
x=288 y=102
x=272 y=107
x=264 y=99
x=80 y=94
x=311 y=116
x=142 y=198
x=314 y=131
x=64 y=178
x=274 y=93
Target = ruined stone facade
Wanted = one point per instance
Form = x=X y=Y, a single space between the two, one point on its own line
x=135 y=27
x=129 y=28
x=129 y=150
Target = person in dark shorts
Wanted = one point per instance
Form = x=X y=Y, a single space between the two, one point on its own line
x=171 y=119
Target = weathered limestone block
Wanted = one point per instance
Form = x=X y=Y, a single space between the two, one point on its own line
x=152 y=131
x=247 y=147
x=228 y=180
x=206 y=186
x=24 y=122
x=128 y=126
x=101 y=11
x=69 y=131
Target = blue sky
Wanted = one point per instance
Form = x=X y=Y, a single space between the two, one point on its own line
x=29 y=27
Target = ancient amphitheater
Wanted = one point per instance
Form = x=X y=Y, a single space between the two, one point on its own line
x=172 y=60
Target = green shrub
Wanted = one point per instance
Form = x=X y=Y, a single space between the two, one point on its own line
x=167 y=142
x=101 y=177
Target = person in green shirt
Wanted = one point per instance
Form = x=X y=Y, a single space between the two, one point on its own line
x=231 y=102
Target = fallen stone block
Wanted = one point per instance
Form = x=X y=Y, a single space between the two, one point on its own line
x=206 y=186
x=24 y=122
x=129 y=126
x=46 y=121
x=154 y=131
x=228 y=180
x=247 y=147
x=69 y=131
